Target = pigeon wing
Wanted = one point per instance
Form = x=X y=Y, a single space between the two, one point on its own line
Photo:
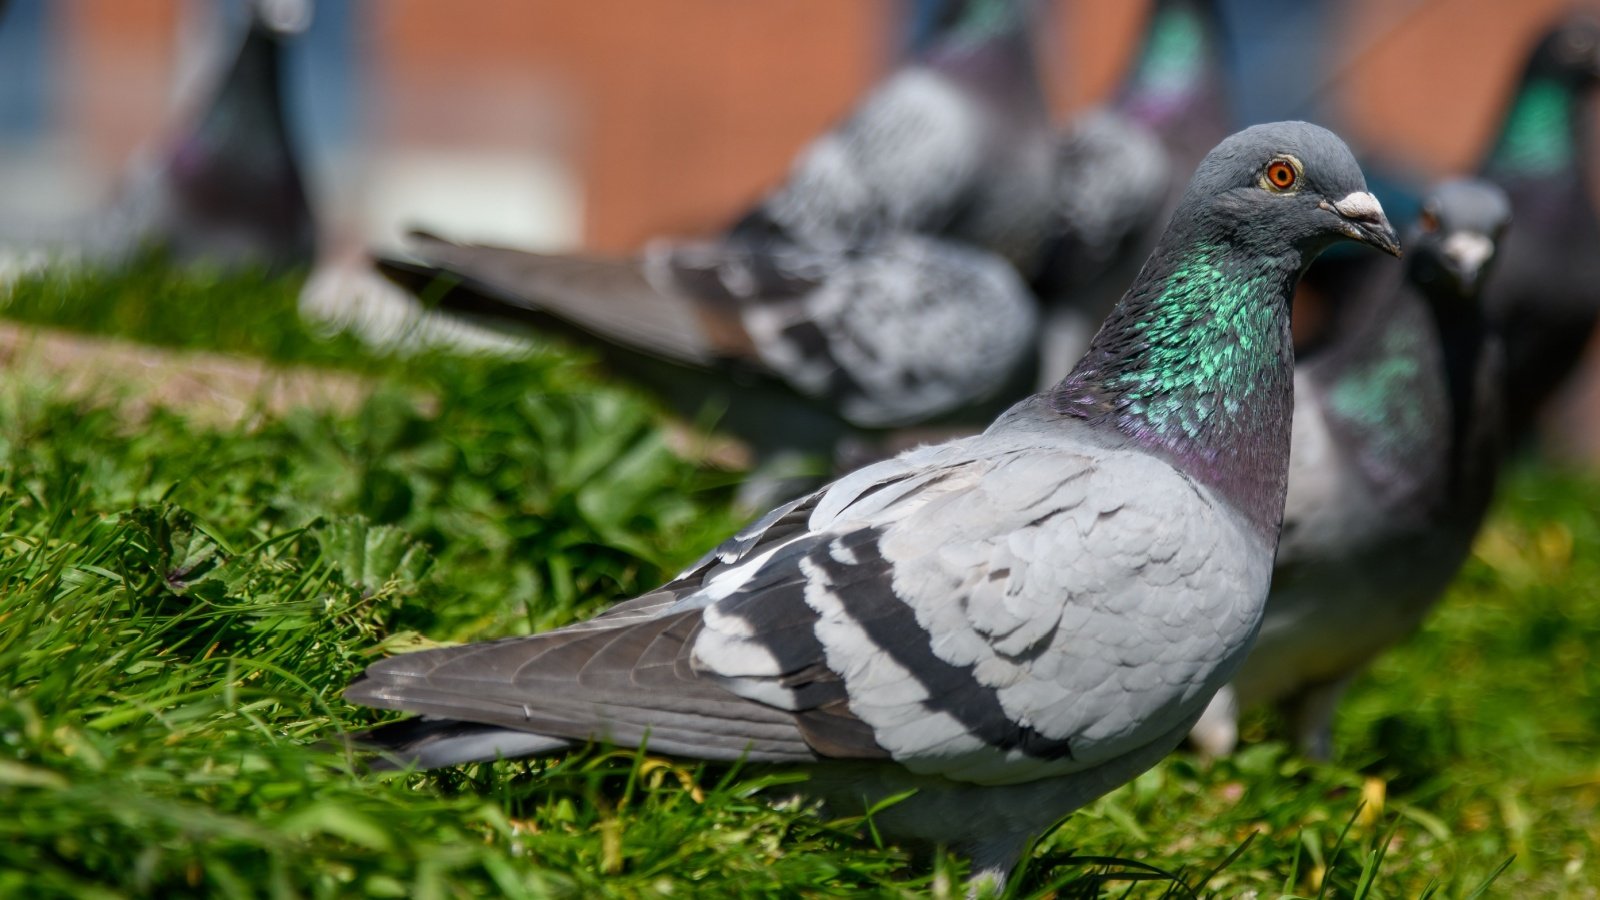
x=984 y=610
x=1005 y=616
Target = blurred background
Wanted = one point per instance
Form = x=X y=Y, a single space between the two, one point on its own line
x=556 y=125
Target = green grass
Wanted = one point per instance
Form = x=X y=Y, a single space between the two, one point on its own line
x=181 y=604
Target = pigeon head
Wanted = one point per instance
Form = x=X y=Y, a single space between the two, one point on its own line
x=1454 y=239
x=1286 y=181
x=1196 y=362
x=1570 y=51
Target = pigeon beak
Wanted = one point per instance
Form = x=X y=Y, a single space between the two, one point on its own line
x=1364 y=221
x=1465 y=254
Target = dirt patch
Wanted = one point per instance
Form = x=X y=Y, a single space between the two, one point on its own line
x=212 y=388
x=220 y=390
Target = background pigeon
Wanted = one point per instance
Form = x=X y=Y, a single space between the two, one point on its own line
x=1011 y=623
x=1397 y=429
x=1544 y=300
x=794 y=346
x=1546 y=296
x=226 y=189
x=956 y=142
x=873 y=289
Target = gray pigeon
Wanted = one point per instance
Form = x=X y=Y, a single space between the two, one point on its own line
x=1395 y=451
x=1011 y=623
x=874 y=289
x=795 y=347
x=1120 y=170
x=1543 y=300
x=227 y=189
x=955 y=143
x=1546 y=296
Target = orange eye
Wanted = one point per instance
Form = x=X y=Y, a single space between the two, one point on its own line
x=1280 y=175
x=1429 y=220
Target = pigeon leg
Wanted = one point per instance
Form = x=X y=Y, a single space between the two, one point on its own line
x=1217 y=732
x=1310 y=715
x=992 y=862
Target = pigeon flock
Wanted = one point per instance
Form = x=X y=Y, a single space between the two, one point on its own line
x=1096 y=500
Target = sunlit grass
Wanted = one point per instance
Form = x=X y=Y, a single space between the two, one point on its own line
x=182 y=603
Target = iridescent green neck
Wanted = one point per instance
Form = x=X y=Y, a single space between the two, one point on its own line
x=1173 y=63
x=1384 y=388
x=1537 y=137
x=1196 y=363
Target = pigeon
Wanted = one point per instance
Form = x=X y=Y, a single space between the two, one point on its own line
x=227 y=189
x=956 y=143
x=878 y=287
x=1396 y=446
x=796 y=347
x=1543 y=298
x=1120 y=170
x=1546 y=295
x=1010 y=624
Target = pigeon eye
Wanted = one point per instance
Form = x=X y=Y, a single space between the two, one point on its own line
x=1429 y=221
x=1280 y=175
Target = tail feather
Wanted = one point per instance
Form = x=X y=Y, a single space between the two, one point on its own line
x=425 y=743
x=586 y=299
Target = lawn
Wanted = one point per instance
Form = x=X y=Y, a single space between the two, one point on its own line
x=184 y=594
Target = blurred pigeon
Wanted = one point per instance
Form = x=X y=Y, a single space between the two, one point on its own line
x=1011 y=623
x=1396 y=445
x=956 y=143
x=1546 y=296
x=227 y=190
x=1543 y=300
x=874 y=289
x=796 y=346
x=1120 y=170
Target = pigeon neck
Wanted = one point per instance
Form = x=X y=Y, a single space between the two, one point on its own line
x=1385 y=388
x=1463 y=339
x=1381 y=387
x=1176 y=76
x=1196 y=364
x=1544 y=131
x=250 y=94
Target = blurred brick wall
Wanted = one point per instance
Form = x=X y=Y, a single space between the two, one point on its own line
x=680 y=113
x=124 y=48
x=1434 y=76
x=675 y=114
